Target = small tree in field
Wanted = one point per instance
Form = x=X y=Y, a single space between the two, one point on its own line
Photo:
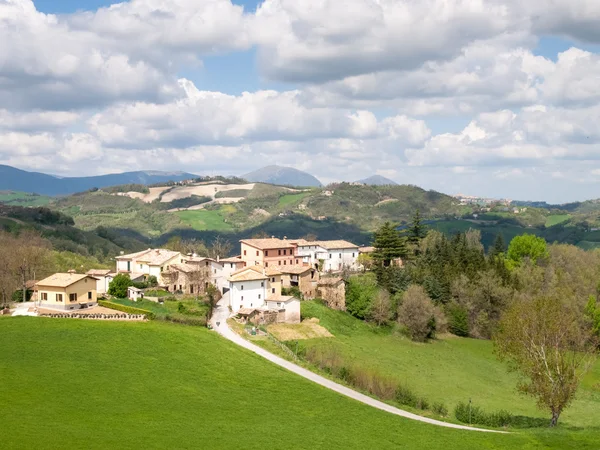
x=381 y=308
x=213 y=295
x=118 y=286
x=417 y=313
x=545 y=343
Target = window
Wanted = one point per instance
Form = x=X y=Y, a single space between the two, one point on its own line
x=180 y=287
x=273 y=280
x=44 y=296
x=191 y=289
x=266 y=264
x=58 y=297
x=242 y=298
x=279 y=262
x=89 y=295
x=340 y=256
x=259 y=296
x=291 y=262
x=256 y=252
x=279 y=252
x=272 y=290
x=285 y=263
x=141 y=266
x=215 y=271
x=296 y=261
x=72 y=297
x=266 y=252
x=353 y=255
x=278 y=304
x=330 y=256
x=244 y=252
x=242 y=287
x=206 y=263
x=262 y=284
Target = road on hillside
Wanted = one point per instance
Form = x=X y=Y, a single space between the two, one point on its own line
x=221 y=315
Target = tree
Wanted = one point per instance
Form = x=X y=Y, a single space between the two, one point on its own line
x=365 y=261
x=417 y=314
x=361 y=290
x=417 y=230
x=29 y=256
x=544 y=342
x=219 y=248
x=118 y=286
x=380 y=311
x=458 y=320
x=186 y=246
x=389 y=245
x=526 y=246
x=499 y=246
x=592 y=312
x=213 y=295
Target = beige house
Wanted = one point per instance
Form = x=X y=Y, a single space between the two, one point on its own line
x=151 y=262
x=67 y=291
x=187 y=278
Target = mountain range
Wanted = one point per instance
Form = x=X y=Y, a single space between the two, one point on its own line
x=14 y=179
x=287 y=176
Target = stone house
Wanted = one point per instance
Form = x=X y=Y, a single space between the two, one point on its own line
x=333 y=291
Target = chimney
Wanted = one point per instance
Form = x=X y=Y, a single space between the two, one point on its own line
x=272 y=237
x=217 y=258
x=121 y=252
x=284 y=238
x=71 y=271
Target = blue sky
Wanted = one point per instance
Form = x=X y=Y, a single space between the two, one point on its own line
x=499 y=100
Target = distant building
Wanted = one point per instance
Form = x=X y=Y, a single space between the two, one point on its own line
x=335 y=255
x=268 y=252
x=103 y=278
x=67 y=291
x=151 y=262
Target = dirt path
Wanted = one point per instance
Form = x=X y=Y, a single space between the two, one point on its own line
x=220 y=317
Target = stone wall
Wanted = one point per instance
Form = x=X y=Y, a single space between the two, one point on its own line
x=334 y=294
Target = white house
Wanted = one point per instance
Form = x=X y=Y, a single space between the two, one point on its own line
x=103 y=278
x=336 y=255
x=212 y=266
x=147 y=263
x=290 y=306
x=248 y=289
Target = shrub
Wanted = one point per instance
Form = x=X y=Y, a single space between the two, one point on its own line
x=474 y=414
x=127 y=309
x=440 y=409
x=186 y=320
x=458 y=320
x=294 y=291
x=423 y=403
x=405 y=396
x=361 y=290
x=118 y=286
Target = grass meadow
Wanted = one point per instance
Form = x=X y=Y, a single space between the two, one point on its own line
x=92 y=384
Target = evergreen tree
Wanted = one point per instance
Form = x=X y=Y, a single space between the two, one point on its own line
x=417 y=229
x=499 y=246
x=389 y=245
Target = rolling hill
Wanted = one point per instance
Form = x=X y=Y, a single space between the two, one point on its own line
x=286 y=176
x=377 y=180
x=13 y=179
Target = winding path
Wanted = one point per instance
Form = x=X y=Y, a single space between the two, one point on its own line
x=221 y=315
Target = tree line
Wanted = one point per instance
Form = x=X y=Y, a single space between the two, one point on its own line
x=537 y=302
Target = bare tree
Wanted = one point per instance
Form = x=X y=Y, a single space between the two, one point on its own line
x=199 y=279
x=381 y=308
x=220 y=247
x=30 y=256
x=543 y=340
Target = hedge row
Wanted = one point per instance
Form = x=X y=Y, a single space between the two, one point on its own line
x=127 y=309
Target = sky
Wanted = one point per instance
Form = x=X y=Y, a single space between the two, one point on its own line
x=497 y=98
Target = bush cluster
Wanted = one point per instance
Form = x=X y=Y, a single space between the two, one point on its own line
x=198 y=321
x=369 y=380
x=476 y=415
x=127 y=309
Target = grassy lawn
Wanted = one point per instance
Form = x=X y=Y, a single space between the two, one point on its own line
x=202 y=220
x=555 y=219
x=290 y=199
x=448 y=370
x=73 y=384
x=161 y=310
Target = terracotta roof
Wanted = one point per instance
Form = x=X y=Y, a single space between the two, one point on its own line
x=62 y=279
x=251 y=273
x=329 y=281
x=282 y=298
x=196 y=259
x=246 y=311
x=157 y=257
x=299 y=241
x=233 y=259
x=185 y=268
x=266 y=244
x=332 y=245
x=152 y=256
x=295 y=270
x=98 y=272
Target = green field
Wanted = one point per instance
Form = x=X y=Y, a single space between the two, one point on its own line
x=448 y=370
x=204 y=219
x=555 y=219
x=23 y=199
x=291 y=199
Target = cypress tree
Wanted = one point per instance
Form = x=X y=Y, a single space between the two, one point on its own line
x=389 y=245
x=417 y=229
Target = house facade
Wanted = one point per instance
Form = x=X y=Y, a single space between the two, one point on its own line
x=248 y=289
x=151 y=262
x=269 y=252
x=67 y=291
x=328 y=256
x=103 y=278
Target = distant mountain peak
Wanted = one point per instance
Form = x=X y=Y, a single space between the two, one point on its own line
x=377 y=180
x=281 y=175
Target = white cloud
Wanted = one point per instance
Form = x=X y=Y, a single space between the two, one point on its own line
x=36 y=121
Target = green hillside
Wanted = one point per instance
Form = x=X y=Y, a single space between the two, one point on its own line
x=73 y=383
x=23 y=199
x=466 y=368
